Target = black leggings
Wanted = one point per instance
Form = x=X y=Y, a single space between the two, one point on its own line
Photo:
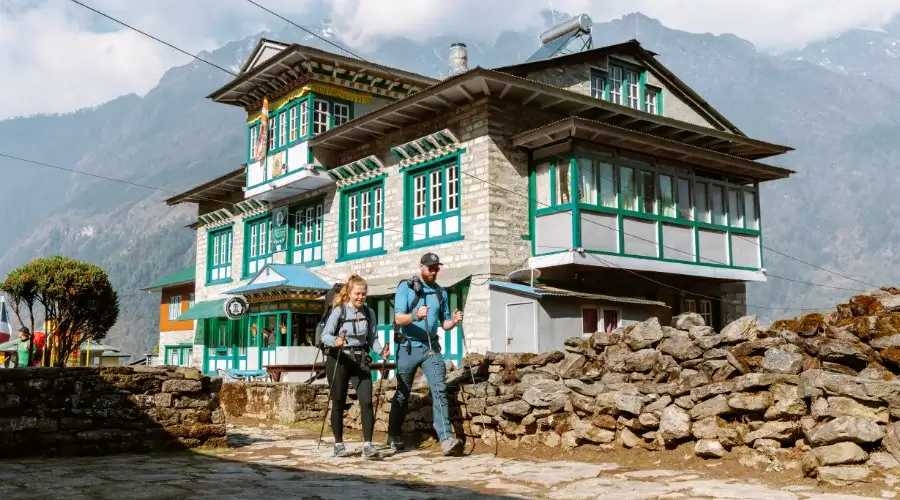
x=349 y=371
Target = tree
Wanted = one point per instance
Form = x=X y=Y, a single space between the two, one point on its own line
x=77 y=296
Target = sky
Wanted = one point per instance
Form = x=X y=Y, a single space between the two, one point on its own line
x=57 y=56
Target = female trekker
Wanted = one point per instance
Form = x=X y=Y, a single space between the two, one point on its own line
x=348 y=336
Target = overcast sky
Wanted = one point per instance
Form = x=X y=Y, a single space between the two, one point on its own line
x=56 y=56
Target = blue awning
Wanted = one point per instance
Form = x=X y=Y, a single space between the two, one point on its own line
x=539 y=292
x=283 y=276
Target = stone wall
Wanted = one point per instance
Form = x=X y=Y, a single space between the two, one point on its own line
x=87 y=411
x=818 y=392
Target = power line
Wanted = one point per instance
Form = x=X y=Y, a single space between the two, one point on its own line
x=111 y=18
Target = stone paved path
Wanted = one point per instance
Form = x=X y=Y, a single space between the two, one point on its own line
x=274 y=464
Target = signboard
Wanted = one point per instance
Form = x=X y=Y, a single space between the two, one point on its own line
x=279 y=228
x=236 y=307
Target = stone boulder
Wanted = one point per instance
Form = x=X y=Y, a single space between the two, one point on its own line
x=644 y=335
x=674 y=424
x=781 y=361
x=680 y=348
x=853 y=429
x=687 y=321
x=740 y=330
x=550 y=394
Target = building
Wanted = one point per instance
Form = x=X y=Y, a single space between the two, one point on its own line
x=600 y=169
x=176 y=335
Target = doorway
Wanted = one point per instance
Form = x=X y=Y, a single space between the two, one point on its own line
x=521 y=327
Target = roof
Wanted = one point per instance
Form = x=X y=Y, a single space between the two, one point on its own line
x=549 y=291
x=283 y=69
x=275 y=277
x=182 y=277
x=590 y=130
x=634 y=48
x=206 y=309
x=213 y=190
x=479 y=82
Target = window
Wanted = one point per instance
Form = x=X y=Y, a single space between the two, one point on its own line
x=435 y=212
x=320 y=117
x=254 y=138
x=304 y=118
x=628 y=189
x=179 y=355
x=271 y=128
x=542 y=185
x=615 y=84
x=634 y=85
x=362 y=233
x=751 y=209
x=648 y=192
x=735 y=208
x=718 y=205
x=684 y=199
x=593 y=174
x=341 y=114
x=174 y=307
x=257 y=245
x=563 y=186
x=292 y=122
x=703 y=212
x=667 y=197
x=652 y=100
x=598 y=82
x=590 y=321
x=706 y=312
x=282 y=130
x=598 y=319
x=690 y=306
x=219 y=256
x=587 y=192
x=307 y=241
x=190 y=300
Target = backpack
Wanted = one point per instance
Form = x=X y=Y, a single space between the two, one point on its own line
x=329 y=306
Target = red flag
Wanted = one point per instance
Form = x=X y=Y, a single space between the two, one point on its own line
x=262 y=142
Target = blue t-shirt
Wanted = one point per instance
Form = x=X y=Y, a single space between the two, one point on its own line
x=404 y=303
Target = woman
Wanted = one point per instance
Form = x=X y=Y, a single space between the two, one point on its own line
x=347 y=360
x=24 y=348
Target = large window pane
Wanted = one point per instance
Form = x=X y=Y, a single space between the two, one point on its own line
x=735 y=208
x=627 y=188
x=563 y=191
x=684 y=199
x=587 y=192
x=752 y=211
x=702 y=205
x=542 y=185
x=667 y=197
x=648 y=192
x=607 y=185
x=718 y=205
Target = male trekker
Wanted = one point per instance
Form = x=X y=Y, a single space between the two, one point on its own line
x=418 y=345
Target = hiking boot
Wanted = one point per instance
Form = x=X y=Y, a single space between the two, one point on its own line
x=451 y=446
x=395 y=443
x=340 y=450
x=370 y=452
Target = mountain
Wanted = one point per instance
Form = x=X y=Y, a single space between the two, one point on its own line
x=835 y=213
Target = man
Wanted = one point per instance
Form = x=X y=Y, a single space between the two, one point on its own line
x=25 y=349
x=419 y=346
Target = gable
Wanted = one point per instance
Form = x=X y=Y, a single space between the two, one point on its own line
x=265 y=50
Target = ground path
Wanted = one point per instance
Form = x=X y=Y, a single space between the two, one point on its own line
x=273 y=464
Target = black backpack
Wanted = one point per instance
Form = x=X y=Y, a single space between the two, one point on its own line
x=329 y=306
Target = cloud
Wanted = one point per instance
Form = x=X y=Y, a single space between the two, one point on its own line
x=56 y=56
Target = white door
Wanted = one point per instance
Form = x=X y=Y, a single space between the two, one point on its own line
x=521 y=327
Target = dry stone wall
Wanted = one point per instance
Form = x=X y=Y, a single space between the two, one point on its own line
x=818 y=392
x=88 y=411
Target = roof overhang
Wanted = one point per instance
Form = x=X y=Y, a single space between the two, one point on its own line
x=217 y=189
x=465 y=88
x=607 y=134
x=296 y=61
x=542 y=291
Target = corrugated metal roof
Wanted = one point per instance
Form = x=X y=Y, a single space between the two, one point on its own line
x=549 y=291
x=186 y=275
x=295 y=276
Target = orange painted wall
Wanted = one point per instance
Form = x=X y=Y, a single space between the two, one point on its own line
x=170 y=326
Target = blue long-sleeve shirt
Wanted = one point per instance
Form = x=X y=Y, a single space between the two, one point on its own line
x=358 y=338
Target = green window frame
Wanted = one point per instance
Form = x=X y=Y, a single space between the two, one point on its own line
x=307 y=233
x=361 y=228
x=553 y=185
x=627 y=85
x=432 y=212
x=180 y=354
x=218 y=255
x=258 y=247
x=288 y=126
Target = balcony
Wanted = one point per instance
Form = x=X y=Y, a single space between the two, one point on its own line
x=287 y=173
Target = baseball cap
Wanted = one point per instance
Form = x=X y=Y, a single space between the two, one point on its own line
x=430 y=259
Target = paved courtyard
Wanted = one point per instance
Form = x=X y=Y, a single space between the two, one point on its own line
x=287 y=464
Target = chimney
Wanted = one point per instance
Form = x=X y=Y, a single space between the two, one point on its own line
x=459 y=58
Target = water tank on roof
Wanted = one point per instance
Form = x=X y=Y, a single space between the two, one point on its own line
x=580 y=23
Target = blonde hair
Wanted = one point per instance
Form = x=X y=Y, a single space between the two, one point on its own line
x=344 y=295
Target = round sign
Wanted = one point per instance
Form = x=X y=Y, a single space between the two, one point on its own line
x=236 y=307
x=279 y=218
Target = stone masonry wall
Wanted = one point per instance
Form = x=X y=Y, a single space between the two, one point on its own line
x=817 y=393
x=89 y=411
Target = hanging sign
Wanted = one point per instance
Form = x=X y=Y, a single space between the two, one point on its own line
x=236 y=307
x=279 y=228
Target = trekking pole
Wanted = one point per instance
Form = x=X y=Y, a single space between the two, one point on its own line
x=380 y=390
x=431 y=355
x=313 y=375
x=472 y=373
x=331 y=389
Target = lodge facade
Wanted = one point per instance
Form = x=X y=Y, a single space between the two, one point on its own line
x=600 y=169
